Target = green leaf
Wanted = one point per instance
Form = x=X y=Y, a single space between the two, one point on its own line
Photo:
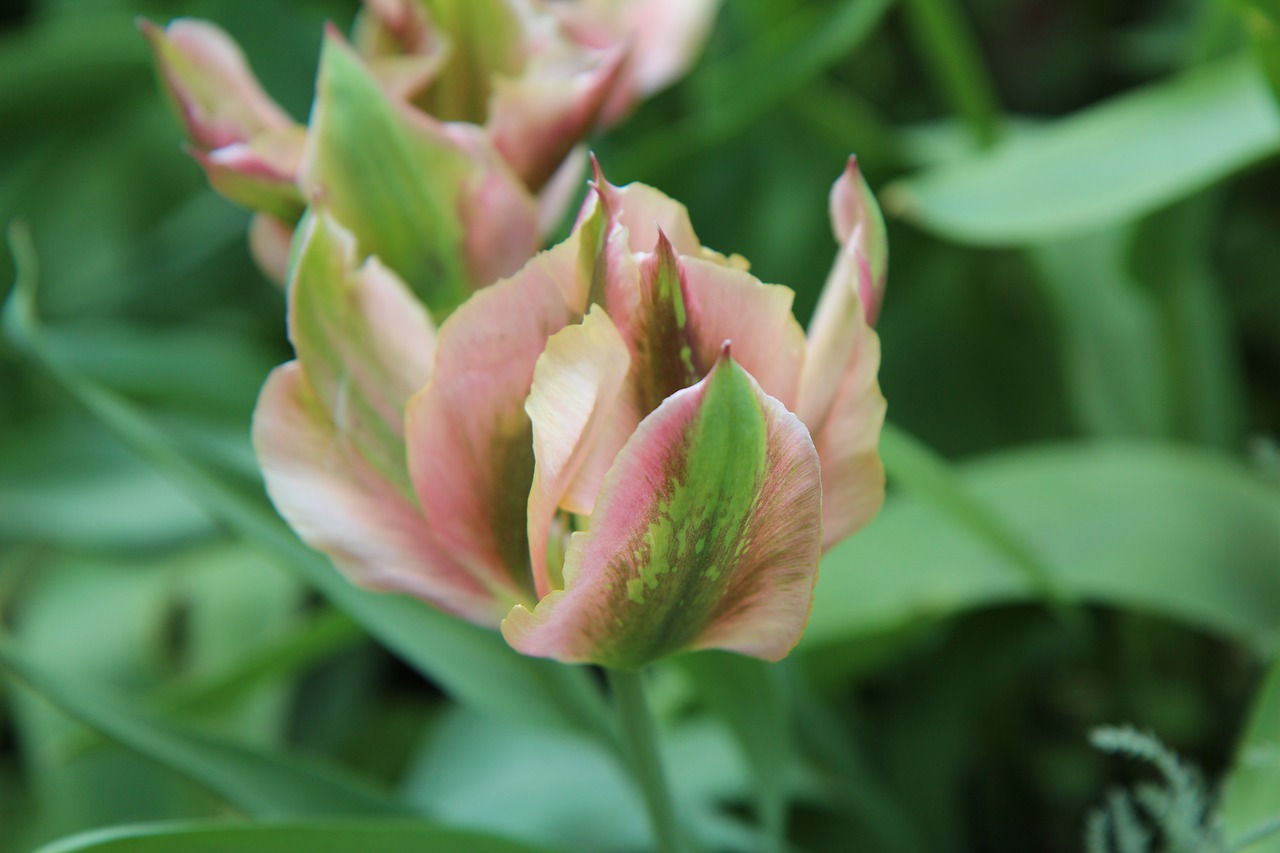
x=748 y=695
x=1112 y=162
x=320 y=837
x=1117 y=375
x=913 y=466
x=255 y=783
x=1174 y=532
x=475 y=666
x=1251 y=794
x=1262 y=18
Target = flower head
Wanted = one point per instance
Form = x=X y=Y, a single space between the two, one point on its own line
x=499 y=93
x=626 y=449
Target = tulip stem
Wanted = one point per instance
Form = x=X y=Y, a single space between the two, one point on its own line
x=640 y=741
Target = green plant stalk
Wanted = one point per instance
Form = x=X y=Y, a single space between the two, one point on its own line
x=947 y=45
x=640 y=740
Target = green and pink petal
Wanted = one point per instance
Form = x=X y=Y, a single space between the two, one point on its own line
x=706 y=534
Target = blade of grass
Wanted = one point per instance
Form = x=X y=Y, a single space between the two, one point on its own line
x=945 y=40
x=253 y=782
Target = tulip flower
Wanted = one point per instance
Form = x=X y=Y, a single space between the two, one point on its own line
x=504 y=85
x=625 y=450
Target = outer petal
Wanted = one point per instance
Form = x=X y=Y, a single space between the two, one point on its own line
x=260 y=174
x=679 y=312
x=664 y=37
x=576 y=384
x=328 y=427
x=848 y=439
x=364 y=342
x=432 y=201
x=537 y=118
x=210 y=83
x=339 y=505
x=843 y=305
x=859 y=229
x=470 y=441
x=269 y=241
x=400 y=46
x=727 y=304
x=486 y=38
x=707 y=533
x=644 y=212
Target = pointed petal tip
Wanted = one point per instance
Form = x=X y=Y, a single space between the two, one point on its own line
x=725 y=349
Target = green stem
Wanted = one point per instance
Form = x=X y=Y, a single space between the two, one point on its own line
x=639 y=737
x=946 y=41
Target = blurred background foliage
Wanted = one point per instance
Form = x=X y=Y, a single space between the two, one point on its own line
x=1082 y=361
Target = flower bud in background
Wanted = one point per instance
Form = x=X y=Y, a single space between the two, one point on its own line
x=511 y=86
x=624 y=447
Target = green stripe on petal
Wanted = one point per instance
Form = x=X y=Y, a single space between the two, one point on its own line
x=433 y=201
x=364 y=342
x=706 y=533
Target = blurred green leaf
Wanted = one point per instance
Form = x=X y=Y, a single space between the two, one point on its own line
x=1183 y=534
x=563 y=789
x=1106 y=164
x=1172 y=259
x=474 y=665
x=779 y=62
x=255 y=783
x=748 y=695
x=1262 y=18
x=943 y=37
x=320 y=837
x=1116 y=365
x=1251 y=793
x=914 y=467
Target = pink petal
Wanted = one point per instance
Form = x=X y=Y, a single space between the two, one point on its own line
x=848 y=439
x=338 y=504
x=576 y=384
x=209 y=80
x=269 y=241
x=470 y=440
x=727 y=304
x=537 y=118
x=364 y=341
x=707 y=533
x=644 y=212
x=663 y=37
x=840 y=399
x=859 y=229
x=261 y=174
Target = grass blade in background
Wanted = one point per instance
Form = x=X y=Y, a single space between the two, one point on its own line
x=321 y=837
x=1178 y=533
x=1251 y=796
x=1106 y=164
x=255 y=783
x=748 y=695
x=1113 y=354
